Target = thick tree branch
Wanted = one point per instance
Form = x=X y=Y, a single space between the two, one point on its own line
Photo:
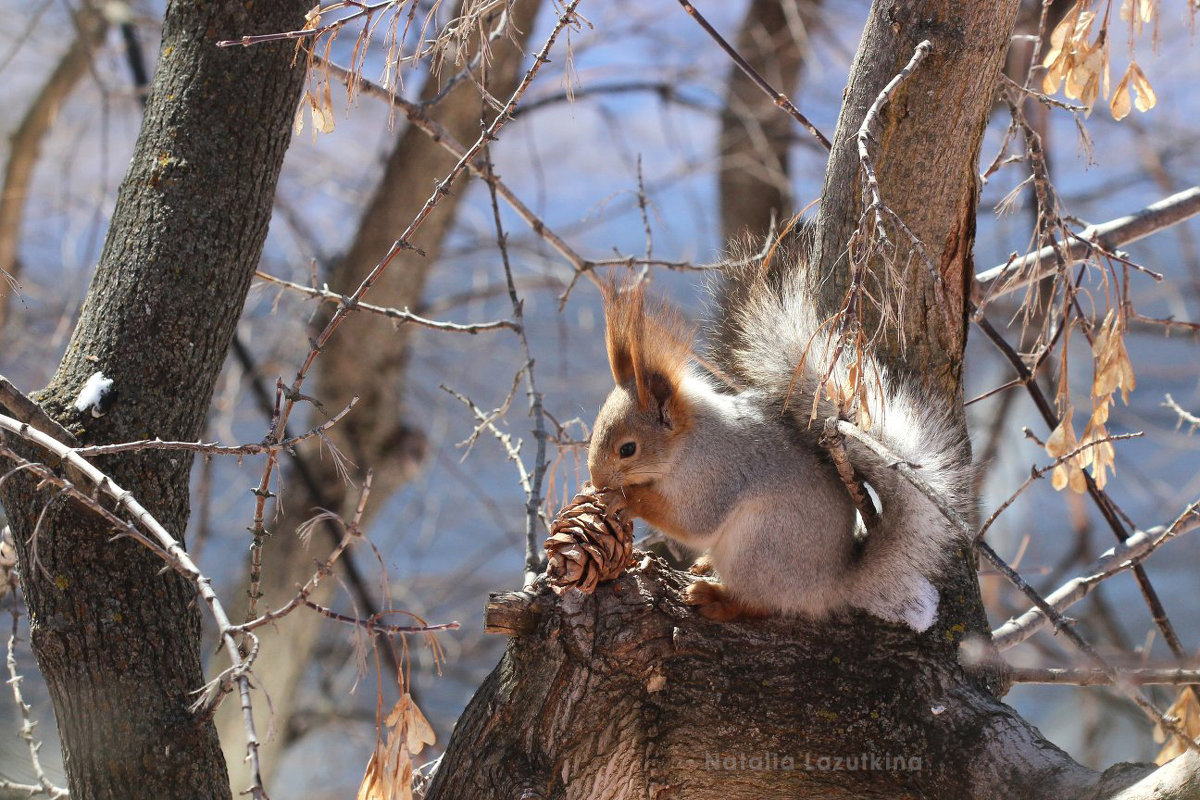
x=1106 y=237
x=1124 y=556
x=116 y=636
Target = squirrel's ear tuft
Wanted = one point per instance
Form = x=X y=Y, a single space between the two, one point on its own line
x=647 y=346
x=622 y=321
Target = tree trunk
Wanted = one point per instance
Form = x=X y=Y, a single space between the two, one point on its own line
x=117 y=638
x=628 y=693
x=925 y=147
x=368 y=357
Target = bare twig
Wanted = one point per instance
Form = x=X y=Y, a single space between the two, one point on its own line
x=835 y=444
x=348 y=304
x=1095 y=677
x=287 y=396
x=214 y=448
x=351 y=533
x=1103 y=503
x=373 y=625
x=1185 y=417
x=1122 y=557
x=487 y=421
x=28 y=724
x=1106 y=237
x=780 y=98
x=1037 y=473
x=398 y=314
x=534 y=518
x=363 y=10
x=875 y=205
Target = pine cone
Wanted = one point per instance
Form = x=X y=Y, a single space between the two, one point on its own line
x=591 y=540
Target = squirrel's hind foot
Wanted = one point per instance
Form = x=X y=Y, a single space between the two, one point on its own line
x=714 y=601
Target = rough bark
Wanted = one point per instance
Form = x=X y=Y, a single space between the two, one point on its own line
x=629 y=694
x=26 y=143
x=368 y=358
x=755 y=138
x=925 y=148
x=117 y=639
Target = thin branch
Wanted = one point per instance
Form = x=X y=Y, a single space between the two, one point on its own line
x=1105 y=238
x=1036 y=473
x=163 y=543
x=876 y=205
x=363 y=596
x=28 y=723
x=373 y=625
x=1175 y=676
x=534 y=533
x=835 y=444
x=215 y=448
x=1185 y=416
x=511 y=448
x=400 y=315
x=1123 y=556
x=781 y=99
x=1105 y=505
x=363 y=10
x=565 y=18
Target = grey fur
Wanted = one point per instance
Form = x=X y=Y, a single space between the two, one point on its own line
x=748 y=482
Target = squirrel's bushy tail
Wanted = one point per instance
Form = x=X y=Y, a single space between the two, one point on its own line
x=768 y=337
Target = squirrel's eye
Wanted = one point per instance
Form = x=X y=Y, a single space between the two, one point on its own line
x=627 y=450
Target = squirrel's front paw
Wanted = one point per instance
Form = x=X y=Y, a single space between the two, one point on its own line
x=714 y=602
x=703 y=566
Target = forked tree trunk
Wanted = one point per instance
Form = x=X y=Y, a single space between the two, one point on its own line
x=117 y=638
x=628 y=695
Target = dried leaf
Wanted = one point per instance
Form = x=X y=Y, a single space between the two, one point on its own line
x=420 y=732
x=1146 y=98
x=1060 y=477
x=1138 y=12
x=1062 y=440
x=318 y=116
x=1122 y=101
x=1186 y=709
x=327 y=109
x=1078 y=482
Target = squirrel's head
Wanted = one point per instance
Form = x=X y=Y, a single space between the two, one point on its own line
x=641 y=423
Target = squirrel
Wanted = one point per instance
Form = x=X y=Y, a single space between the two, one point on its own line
x=730 y=465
